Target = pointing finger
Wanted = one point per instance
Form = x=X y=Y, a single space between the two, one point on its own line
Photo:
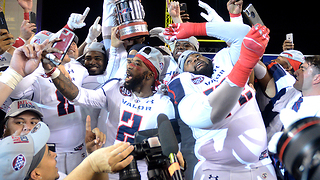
x=88 y=123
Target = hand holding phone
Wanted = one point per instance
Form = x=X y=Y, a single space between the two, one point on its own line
x=252 y=15
x=66 y=36
x=288 y=43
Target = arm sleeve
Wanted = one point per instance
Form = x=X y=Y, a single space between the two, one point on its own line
x=194 y=110
x=25 y=89
x=93 y=98
x=108 y=21
x=236 y=18
x=231 y=33
x=117 y=59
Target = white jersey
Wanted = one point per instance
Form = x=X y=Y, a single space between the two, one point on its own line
x=235 y=142
x=127 y=112
x=239 y=141
x=289 y=106
x=170 y=69
x=62 y=117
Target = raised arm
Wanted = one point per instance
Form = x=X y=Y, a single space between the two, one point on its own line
x=231 y=33
x=24 y=61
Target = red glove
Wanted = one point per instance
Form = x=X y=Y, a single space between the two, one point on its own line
x=252 y=49
x=184 y=30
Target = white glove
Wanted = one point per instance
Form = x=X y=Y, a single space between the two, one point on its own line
x=94 y=31
x=158 y=32
x=76 y=20
x=212 y=15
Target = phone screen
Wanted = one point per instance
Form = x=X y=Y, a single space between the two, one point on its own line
x=3 y=22
x=33 y=19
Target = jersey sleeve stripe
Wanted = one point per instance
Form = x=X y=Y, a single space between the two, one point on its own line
x=175 y=91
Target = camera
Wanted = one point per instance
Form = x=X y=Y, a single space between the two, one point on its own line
x=147 y=146
x=299 y=148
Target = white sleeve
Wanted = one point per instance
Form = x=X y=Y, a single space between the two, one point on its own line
x=25 y=89
x=236 y=19
x=109 y=20
x=194 y=110
x=231 y=33
x=92 y=98
x=117 y=57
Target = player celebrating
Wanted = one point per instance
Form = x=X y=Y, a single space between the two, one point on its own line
x=229 y=131
x=132 y=103
x=63 y=118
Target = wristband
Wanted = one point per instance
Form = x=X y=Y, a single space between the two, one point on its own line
x=19 y=42
x=26 y=16
x=11 y=78
x=234 y=15
x=53 y=73
x=67 y=27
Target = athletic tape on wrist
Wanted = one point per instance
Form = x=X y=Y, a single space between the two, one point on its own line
x=55 y=73
x=10 y=77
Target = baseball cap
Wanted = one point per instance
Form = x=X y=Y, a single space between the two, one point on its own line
x=19 y=155
x=94 y=46
x=19 y=106
x=193 y=40
x=153 y=59
x=295 y=58
x=183 y=57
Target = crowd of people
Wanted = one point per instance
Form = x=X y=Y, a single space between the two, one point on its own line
x=77 y=119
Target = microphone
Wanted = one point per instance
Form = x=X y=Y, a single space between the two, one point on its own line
x=169 y=145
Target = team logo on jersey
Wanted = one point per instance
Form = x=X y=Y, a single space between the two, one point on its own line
x=161 y=65
x=18 y=162
x=78 y=148
x=264 y=175
x=197 y=80
x=35 y=128
x=124 y=91
x=20 y=139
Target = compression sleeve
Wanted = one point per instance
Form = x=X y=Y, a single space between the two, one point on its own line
x=231 y=33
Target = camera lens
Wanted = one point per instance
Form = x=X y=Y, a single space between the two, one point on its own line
x=298 y=146
x=252 y=14
x=130 y=172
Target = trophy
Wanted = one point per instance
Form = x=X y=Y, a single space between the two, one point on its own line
x=130 y=19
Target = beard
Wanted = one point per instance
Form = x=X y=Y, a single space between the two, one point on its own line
x=135 y=82
x=205 y=71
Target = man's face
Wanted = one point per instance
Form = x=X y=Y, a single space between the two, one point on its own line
x=95 y=63
x=47 y=166
x=180 y=47
x=25 y=121
x=136 y=72
x=198 y=64
x=73 y=51
x=304 y=77
x=284 y=63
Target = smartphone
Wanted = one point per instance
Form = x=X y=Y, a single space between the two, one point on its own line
x=183 y=7
x=3 y=22
x=33 y=19
x=252 y=15
x=289 y=37
x=66 y=37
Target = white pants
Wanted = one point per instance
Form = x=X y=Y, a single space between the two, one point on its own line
x=260 y=173
x=66 y=162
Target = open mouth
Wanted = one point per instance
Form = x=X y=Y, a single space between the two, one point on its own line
x=129 y=76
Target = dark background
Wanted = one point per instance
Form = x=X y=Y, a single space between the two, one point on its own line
x=298 y=17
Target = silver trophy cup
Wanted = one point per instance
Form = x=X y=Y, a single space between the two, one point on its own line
x=130 y=19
